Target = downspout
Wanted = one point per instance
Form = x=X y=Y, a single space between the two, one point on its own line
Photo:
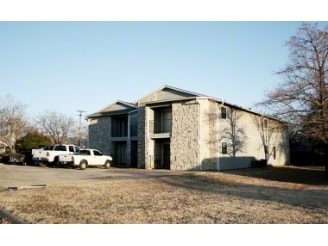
x=220 y=144
x=198 y=136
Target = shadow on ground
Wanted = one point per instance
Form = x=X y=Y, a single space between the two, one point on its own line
x=311 y=175
x=307 y=187
x=299 y=195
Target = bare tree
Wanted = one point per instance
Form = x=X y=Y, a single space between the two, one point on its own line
x=266 y=129
x=234 y=132
x=12 y=121
x=302 y=99
x=231 y=130
x=58 y=126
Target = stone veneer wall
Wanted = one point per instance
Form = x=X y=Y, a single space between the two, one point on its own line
x=149 y=143
x=99 y=132
x=185 y=136
x=141 y=136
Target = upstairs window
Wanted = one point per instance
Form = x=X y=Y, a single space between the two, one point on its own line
x=223 y=113
x=134 y=126
x=265 y=123
x=224 y=148
x=119 y=126
x=274 y=152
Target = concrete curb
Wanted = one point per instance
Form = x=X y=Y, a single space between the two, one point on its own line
x=26 y=187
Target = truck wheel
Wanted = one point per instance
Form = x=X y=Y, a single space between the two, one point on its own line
x=56 y=162
x=41 y=164
x=83 y=165
x=107 y=164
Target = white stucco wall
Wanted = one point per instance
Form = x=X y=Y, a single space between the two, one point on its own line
x=276 y=136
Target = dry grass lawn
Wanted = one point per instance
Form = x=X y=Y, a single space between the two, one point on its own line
x=239 y=196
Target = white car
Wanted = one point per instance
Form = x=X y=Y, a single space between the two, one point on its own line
x=85 y=158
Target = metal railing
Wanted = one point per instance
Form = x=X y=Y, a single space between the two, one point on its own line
x=160 y=126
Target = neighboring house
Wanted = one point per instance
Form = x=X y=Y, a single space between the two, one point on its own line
x=182 y=130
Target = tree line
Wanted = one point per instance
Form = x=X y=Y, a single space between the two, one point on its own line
x=17 y=132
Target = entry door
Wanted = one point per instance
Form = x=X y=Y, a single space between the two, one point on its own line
x=166 y=156
x=120 y=154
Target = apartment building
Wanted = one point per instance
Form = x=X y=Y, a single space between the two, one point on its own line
x=176 y=129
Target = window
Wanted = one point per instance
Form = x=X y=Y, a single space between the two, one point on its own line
x=84 y=152
x=162 y=122
x=224 y=148
x=265 y=123
x=119 y=126
x=97 y=153
x=60 y=148
x=134 y=128
x=223 y=113
x=274 y=152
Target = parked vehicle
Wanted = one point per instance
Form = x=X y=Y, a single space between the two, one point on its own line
x=14 y=158
x=43 y=157
x=85 y=158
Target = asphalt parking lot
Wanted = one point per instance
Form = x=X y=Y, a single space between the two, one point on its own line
x=12 y=176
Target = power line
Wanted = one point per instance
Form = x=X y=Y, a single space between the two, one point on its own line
x=80 y=115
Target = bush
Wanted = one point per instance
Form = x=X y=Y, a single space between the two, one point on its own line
x=260 y=163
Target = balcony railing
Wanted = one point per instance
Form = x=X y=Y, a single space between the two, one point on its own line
x=160 y=126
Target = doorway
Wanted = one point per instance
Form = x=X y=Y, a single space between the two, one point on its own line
x=162 y=154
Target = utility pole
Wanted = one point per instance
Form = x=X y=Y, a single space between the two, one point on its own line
x=79 y=133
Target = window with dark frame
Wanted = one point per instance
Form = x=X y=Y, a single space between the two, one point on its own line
x=119 y=126
x=223 y=113
x=274 y=152
x=97 y=153
x=265 y=123
x=224 y=148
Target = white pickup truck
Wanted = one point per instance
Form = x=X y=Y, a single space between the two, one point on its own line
x=43 y=157
x=84 y=158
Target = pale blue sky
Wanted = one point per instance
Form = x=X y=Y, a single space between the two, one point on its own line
x=66 y=66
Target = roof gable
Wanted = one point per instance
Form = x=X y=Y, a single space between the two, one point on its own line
x=167 y=93
x=116 y=107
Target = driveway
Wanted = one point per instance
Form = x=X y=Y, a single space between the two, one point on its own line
x=15 y=176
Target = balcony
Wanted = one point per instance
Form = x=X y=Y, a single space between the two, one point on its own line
x=160 y=128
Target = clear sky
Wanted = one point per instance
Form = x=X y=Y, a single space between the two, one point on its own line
x=68 y=66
